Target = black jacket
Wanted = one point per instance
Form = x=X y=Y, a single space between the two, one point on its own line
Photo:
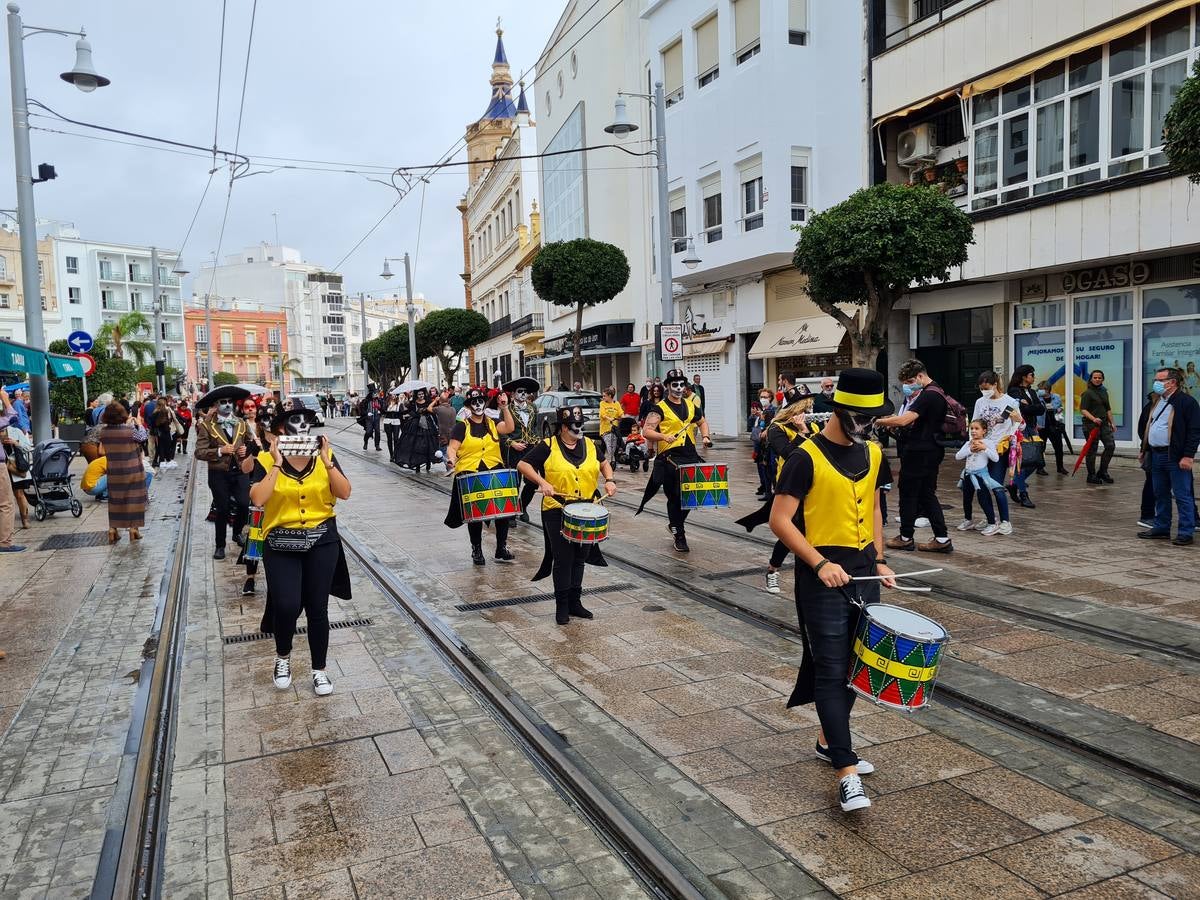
x=1185 y=426
x=1031 y=407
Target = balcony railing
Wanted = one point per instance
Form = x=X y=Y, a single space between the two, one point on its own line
x=230 y=347
x=108 y=274
x=114 y=306
x=169 y=280
x=139 y=277
x=502 y=325
x=175 y=337
x=924 y=14
x=526 y=324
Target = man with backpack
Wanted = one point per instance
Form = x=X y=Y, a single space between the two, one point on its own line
x=924 y=421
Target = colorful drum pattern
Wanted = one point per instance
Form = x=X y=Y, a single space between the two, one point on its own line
x=493 y=494
x=703 y=485
x=585 y=523
x=254 y=536
x=896 y=656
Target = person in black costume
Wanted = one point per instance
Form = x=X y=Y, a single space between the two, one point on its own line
x=525 y=435
x=418 y=443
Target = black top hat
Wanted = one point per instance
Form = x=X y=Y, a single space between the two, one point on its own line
x=862 y=391
x=529 y=384
x=472 y=395
x=281 y=417
x=674 y=375
x=793 y=395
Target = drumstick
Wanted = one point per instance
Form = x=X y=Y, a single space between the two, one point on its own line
x=896 y=575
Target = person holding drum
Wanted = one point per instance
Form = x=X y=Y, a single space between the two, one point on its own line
x=826 y=511
x=567 y=469
x=475 y=447
x=672 y=423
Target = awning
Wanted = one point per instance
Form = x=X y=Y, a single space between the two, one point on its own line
x=16 y=357
x=704 y=348
x=604 y=351
x=810 y=336
x=914 y=107
x=65 y=366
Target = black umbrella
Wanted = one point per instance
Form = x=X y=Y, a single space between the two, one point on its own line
x=234 y=392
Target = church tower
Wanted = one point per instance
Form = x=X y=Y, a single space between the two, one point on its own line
x=486 y=135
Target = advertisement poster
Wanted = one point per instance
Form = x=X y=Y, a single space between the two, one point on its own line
x=1049 y=364
x=1182 y=352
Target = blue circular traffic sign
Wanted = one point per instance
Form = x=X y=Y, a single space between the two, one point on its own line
x=80 y=341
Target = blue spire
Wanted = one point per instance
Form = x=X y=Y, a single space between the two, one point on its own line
x=501 y=105
x=522 y=106
x=501 y=58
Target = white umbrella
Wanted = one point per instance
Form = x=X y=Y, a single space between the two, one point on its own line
x=252 y=389
x=409 y=386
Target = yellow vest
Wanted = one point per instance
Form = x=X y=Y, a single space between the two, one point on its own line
x=679 y=430
x=472 y=451
x=839 y=512
x=792 y=432
x=571 y=481
x=297 y=502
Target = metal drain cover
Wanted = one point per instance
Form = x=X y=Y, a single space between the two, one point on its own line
x=302 y=629
x=75 y=540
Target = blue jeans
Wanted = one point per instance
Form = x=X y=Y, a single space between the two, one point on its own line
x=997 y=470
x=100 y=489
x=1170 y=479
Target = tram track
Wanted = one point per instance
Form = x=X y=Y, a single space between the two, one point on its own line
x=1179 y=788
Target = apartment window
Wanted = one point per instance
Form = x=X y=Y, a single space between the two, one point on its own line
x=1098 y=114
x=106 y=269
x=74 y=295
x=710 y=191
x=798 y=22
x=752 y=194
x=201 y=334
x=41 y=272
x=227 y=366
x=672 y=62
x=76 y=324
x=707 y=58
x=106 y=300
x=679 y=232
x=4 y=302
x=226 y=339
x=135 y=300
x=799 y=186
x=3 y=266
x=746 y=30
x=252 y=369
x=251 y=339
x=273 y=338
x=72 y=265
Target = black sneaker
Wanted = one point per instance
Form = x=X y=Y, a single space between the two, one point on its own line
x=851 y=795
x=248 y=587
x=1185 y=541
x=524 y=517
x=1092 y=479
x=1105 y=477
x=1154 y=535
x=503 y=554
x=681 y=544
x=219 y=553
x=477 y=555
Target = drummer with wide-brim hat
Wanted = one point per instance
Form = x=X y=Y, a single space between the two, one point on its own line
x=525 y=435
x=475 y=447
x=567 y=468
x=827 y=512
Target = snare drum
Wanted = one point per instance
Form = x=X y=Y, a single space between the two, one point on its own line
x=585 y=523
x=254 y=536
x=703 y=485
x=896 y=656
x=488 y=495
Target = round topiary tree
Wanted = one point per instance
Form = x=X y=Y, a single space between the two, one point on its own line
x=220 y=378
x=1181 y=128
x=579 y=273
x=448 y=334
x=874 y=246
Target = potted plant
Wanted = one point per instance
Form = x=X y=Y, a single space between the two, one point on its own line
x=961 y=165
x=930 y=175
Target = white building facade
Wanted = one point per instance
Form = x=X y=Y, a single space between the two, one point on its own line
x=1087 y=247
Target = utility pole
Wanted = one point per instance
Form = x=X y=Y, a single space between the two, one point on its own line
x=160 y=364
x=664 y=215
x=412 y=320
x=362 y=310
x=208 y=331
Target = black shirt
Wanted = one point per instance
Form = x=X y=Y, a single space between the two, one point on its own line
x=478 y=429
x=930 y=407
x=575 y=455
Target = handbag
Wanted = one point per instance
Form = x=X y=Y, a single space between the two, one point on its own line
x=295 y=540
x=1033 y=452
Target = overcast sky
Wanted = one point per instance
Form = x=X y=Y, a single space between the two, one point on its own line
x=384 y=82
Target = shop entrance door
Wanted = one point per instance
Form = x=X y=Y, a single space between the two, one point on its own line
x=957 y=369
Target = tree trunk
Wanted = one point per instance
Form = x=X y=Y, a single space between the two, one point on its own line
x=577 y=373
x=863 y=351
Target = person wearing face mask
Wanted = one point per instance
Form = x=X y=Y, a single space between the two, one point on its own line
x=1172 y=438
x=221 y=442
x=525 y=434
x=418 y=442
x=475 y=447
x=672 y=424
x=1001 y=416
x=826 y=511
x=920 y=457
x=761 y=415
x=567 y=468
x=1050 y=425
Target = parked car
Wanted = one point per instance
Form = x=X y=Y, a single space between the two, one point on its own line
x=547 y=406
x=310 y=401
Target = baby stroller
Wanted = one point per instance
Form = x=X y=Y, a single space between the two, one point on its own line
x=636 y=452
x=625 y=426
x=51 y=474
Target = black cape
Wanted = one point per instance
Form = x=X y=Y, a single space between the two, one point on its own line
x=418 y=443
x=594 y=557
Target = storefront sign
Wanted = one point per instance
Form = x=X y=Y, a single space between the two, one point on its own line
x=796 y=341
x=1033 y=289
x=595 y=337
x=1180 y=352
x=1118 y=275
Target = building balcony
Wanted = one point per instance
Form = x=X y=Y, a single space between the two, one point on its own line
x=114 y=306
x=139 y=277
x=230 y=347
x=527 y=324
x=502 y=325
x=169 y=280
x=111 y=275
x=899 y=22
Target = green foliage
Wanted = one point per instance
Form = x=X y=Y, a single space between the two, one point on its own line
x=221 y=378
x=130 y=337
x=449 y=333
x=146 y=373
x=115 y=376
x=387 y=355
x=1181 y=128
x=872 y=247
x=579 y=273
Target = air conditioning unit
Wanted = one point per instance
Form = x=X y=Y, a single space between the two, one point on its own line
x=915 y=144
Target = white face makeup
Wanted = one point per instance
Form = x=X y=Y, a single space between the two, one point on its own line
x=676 y=388
x=478 y=406
x=296 y=424
x=225 y=408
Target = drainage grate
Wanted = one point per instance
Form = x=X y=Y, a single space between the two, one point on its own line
x=536 y=598
x=303 y=629
x=749 y=570
x=75 y=541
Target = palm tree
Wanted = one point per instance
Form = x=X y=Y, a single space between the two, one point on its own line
x=125 y=338
x=285 y=365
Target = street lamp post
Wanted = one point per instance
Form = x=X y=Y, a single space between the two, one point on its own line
x=408 y=308
x=160 y=364
x=84 y=77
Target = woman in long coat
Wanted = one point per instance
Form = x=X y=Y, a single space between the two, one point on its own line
x=126 y=475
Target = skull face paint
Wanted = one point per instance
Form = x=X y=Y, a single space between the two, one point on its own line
x=676 y=389
x=574 y=421
x=856 y=426
x=521 y=397
x=421 y=397
x=296 y=424
x=477 y=407
x=224 y=408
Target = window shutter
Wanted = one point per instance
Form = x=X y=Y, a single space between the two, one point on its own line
x=745 y=22
x=711 y=188
x=797 y=15
x=706 y=46
x=673 y=68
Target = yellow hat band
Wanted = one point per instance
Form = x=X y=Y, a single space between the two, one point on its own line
x=862 y=401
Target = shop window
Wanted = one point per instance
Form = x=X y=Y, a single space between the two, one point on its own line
x=1160 y=303
x=981 y=325
x=1103 y=308
x=1175 y=344
x=929 y=330
x=955 y=327
x=1110 y=349
x=1039 y=315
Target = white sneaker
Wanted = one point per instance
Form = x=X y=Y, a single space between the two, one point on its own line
x=772 y=582
x=283 y=673
x=1005 y=528
x=966 y=525
x=989 y=530
x=851 y=794
x=322 y=686
x=922 y=522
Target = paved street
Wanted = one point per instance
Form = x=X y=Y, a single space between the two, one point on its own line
x=404 y=783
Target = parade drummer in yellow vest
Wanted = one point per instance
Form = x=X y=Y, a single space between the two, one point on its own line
x=672 y=424
x=475 y=447
x=567 y=467
x=826 y=511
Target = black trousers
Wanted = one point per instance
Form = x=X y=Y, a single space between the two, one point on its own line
x=301 y=581
x=676 y=514
x=230 y=492
x=569 y=560
x=1110 y=447
x=475 y=531
x=918 y=490
x=392 y=433
x=1055 y=437
x=371 y=430
x=1148 y=511
x=164 y=445
x=778 y=554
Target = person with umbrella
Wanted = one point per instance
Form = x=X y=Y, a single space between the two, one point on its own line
x=1096 y=411
x=475 y=447
x=418 y=443
x=220 y=440
x=525 y=434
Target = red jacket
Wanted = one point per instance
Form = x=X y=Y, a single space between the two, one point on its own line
x=631 y=403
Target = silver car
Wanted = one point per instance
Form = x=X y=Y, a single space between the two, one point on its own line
x=548 y=404
x=310 y=401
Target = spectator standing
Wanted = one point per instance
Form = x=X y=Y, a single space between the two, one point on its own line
x=610 y=414
x=920 y=457
x=1096 y=411
x=631 y=401
x=21 y=410
x=760 y=421
x=444 y=412
x=1050 y=426
x=823 y=401
x=126 y=474
x=1148 y=510
x=1173 y=436
x=456 y=402
x=8 y=415
x=184 y=414
x=1020 y=388
x=698 y=390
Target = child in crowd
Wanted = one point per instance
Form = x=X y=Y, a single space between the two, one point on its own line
x=977 y=453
